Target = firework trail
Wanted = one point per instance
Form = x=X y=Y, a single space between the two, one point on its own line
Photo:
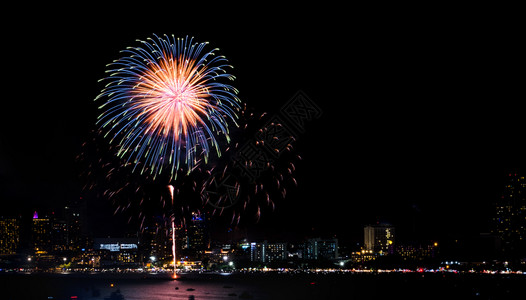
x=166 y=104
x=171 y=189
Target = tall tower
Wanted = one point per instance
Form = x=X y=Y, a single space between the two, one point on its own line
x=510 y=216
x=75 y=216
x=41 y=231
x=198 y=237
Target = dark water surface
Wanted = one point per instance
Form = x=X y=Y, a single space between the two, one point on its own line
x=263 y=286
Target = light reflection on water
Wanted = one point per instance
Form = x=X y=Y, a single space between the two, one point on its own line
x=164 y=290
x=261 y=286
x=88 y=287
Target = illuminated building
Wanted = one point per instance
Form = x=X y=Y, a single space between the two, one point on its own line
x=276 y=252
x=9 y=235
x=193 y=239
x=379 y=238
x=417 y=252
x=75 y=214
x=181 y=239
x=510 y=216
x=318 y=248
x=217 y=255
x=362 y=256
x=117 y=251
x=243 y=245
x=59 y=236
x=41 y=233
x=295 y=250
x=257 y=251
x=156 y=241
x=198 y=238
x=268 y=252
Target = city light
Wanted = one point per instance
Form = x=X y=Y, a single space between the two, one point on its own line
x=56 y=245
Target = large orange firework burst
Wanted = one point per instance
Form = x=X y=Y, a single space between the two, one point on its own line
x=167 y=104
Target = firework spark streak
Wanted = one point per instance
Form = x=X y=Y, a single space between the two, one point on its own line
x=171 y=189
x=166 y=104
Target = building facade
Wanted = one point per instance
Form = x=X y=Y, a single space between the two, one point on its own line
x=266 y=252
x=379 y=238
x=510 y=216
x=41 y=234
x=156 y=242
x=417 y=251
x=59 y=236
x=323 y=249
x=197 y=236
x=9 y=235
x=117 y=251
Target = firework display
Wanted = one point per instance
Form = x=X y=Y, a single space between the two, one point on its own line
x=169 y=117
x=167 y=104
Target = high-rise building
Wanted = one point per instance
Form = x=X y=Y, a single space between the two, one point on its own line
x=379 y=238
x=156 y=241
x=59 y=236
x=41 y=233
x=9 y=235
x=194 y=238
x=181 y=239
x=198 y=237
x=75 y=217
x=318 y=248
x=510 y=216
x=268 y=252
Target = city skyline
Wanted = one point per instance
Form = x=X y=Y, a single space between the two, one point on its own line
x=52 y=241
x=69 y=231
x=418 y=124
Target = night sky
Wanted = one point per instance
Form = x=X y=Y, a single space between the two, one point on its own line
x=421 y=116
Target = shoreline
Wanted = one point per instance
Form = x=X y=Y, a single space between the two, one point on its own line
x=264 y=285
x=220 y=276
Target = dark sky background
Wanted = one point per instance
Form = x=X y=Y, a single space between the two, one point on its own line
x=422 y=117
